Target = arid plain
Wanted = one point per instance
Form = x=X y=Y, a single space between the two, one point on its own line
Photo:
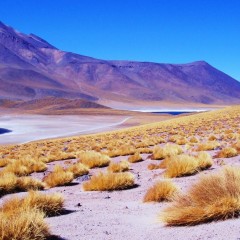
x=173 y=179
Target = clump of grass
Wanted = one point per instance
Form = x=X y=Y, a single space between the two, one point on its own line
x=119 y=167
x=181 y=165
x=236 y=145
x=166 y=151
x=28 y=225
x=29 y=183
x=3 y=162
x=59 y=177
x=136 y=157
x=109 y=182
x=204 y=160
x=227 y=152
x=39 y=167
x=8 y=182
x=153 y=166
x=211 y=145
x=25 y=167
x=17 y=169
x=161 y=191
x=212 y=138
x=94 y=159
x=78 y=169
x=49 y=204
x=193 y=140
x=145 y=150
x=214 y=197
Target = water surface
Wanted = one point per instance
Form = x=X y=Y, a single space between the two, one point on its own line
x=4 y=130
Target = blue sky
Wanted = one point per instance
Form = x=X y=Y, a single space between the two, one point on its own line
x=165 y=31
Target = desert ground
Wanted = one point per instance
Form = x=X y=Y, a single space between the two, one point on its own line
x=26 y=128
x=29 y=126
x=184 y=150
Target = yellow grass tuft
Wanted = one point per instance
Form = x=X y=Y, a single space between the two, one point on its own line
x=49 y=204
x=136 y=157
x=119 y=167
x=59 y=177
x=3 y=162
x=227 y=153
x=214 y=197
x=161 y=191
x=166 y=151
x=193 y=140
x=28 y=225
x=94 y=159
x=211 y=145
x=109 y=182
x=204 y=160
x=8 y=182
x=29 y=183
x=181 y=165
x=78 y=169
x=153 y=166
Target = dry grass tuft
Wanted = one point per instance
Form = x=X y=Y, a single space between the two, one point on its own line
x=208 y=146
x=78 y=169
x=204 y=160
x=109 y=182
x=49 y=204
x=161 y=191
x=181 y=165
x=166 y=151
x=214 y=197
x=29 y=183
x=136 y=157
x=59 y=177
x=3 y=162
x=119 y=167
x=227 y=153
x=153 y=166
x=8 y=182
x=94 y=159
x=28 y=225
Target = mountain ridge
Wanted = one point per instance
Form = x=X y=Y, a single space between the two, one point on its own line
x=32 y=68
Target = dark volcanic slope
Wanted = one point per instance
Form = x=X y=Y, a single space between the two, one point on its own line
x=32 y=68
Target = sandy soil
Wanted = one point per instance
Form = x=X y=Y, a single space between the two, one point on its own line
x=32 y=127
x=27 y=128
x=123 y=215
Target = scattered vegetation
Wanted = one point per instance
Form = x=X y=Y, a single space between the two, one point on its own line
x=166 y=151
x=214 y=197
x=227 y=153
x=78 y=169
x=109 y=182
x=94 y=159
x=28 y=225
x=59 y=177
x=122 y=166
x=136 y=157
x=161 y=191
x=182 y=165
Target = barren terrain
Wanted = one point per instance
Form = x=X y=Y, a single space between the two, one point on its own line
x=122 y=214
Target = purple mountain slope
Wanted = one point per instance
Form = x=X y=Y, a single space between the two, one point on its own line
x=31 y=68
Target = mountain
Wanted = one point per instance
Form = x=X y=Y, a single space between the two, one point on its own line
x=31 y=68
x=50 y=104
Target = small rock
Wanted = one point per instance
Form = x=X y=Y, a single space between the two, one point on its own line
x=78 y=205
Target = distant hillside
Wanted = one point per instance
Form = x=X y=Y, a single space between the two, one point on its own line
x=31 y=68
x=50 y=104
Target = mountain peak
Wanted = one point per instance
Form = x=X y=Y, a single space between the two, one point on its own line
x=32 y=68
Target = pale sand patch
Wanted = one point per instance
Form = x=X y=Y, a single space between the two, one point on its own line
x=27 y=128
